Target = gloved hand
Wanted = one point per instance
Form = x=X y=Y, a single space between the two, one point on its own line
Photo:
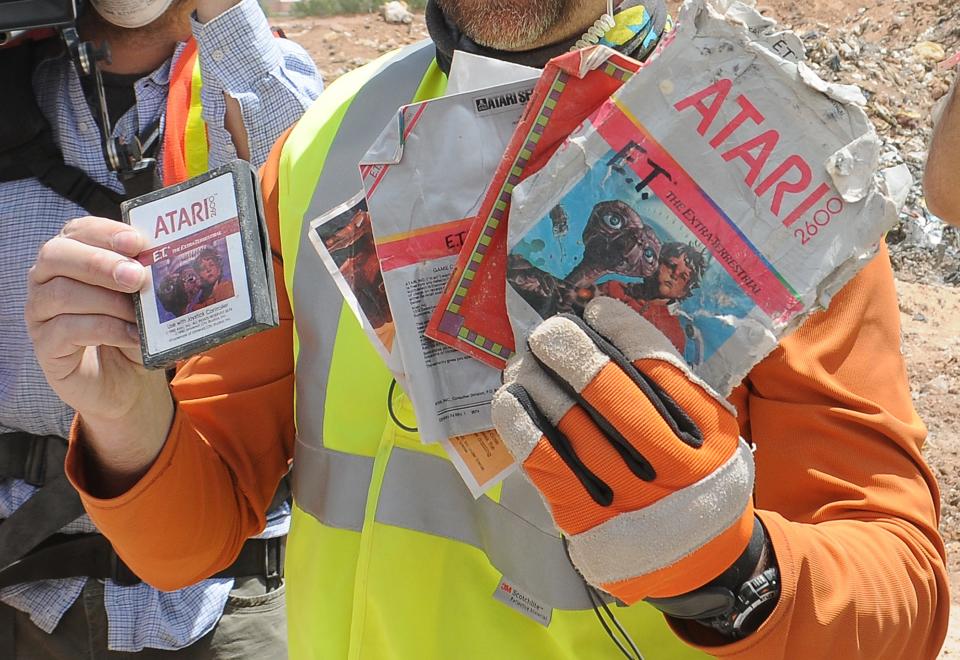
x=640 y=463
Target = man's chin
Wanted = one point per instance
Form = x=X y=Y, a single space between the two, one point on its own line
x=510 y=25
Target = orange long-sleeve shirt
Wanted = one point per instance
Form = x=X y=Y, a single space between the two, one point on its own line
x=841 y=486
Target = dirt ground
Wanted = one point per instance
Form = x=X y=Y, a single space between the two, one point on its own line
x=930 y=311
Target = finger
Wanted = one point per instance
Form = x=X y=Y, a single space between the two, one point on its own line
x=528 y=410
x=573 y=360
x=512 y=419
x=110 y=359
x=552 y=459
x=579 y=357
x=113 y=357
x=636 y=337
x=98 y=266
x=555 y=441
x=577 y=442
x=578 y=333
x=548 y=466
x=550 y=399
x=649 y=350
x=65 y=296
x=575 y=507
x=551 y=471
x=105 y=233
x=632 y=406
x=67 y=334
x=572 y=464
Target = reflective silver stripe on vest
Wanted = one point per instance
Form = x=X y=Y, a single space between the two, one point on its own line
x=424 y=493
x=420 y=492
x=316 y=301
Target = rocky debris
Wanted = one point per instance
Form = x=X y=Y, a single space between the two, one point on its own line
x=399 y=12
x=941 y=384
x=891 y=49
x=340 y=44
x=930 y=51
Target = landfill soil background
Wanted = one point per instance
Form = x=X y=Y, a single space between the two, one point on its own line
x=879 y=45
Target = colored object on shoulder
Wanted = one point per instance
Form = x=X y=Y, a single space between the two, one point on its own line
x=185 y=148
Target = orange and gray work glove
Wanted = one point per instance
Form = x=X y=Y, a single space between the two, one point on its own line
x=640 y=463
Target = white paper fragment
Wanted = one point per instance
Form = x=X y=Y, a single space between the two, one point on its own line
x=853 y=167
x=470 y=72
x=842 y=93
x=591 y=58
x=783 y=43
x=421 y=206
x=897 y=182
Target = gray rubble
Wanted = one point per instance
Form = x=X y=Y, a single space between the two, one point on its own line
x=902 y=83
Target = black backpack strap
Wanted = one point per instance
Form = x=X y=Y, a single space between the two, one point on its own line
x=22 y=120
x=27 y=148
x=25 y=456
x=45 y=162
x=53 y=506
x=91 y=555
x=32 y=549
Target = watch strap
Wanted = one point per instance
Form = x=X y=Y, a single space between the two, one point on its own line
x=739 y=599
x=720 y=594
x=757 y=599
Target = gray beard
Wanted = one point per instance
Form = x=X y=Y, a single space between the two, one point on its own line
x=505 y=24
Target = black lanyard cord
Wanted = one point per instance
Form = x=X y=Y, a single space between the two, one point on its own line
x=393 y=414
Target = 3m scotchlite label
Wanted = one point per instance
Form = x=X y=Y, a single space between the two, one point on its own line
x=526 y=605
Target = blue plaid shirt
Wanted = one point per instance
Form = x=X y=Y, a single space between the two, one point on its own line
x=274 y=80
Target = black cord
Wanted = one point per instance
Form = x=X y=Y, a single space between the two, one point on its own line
x=596 y=600
x=632 y=653
x=393 y=415
x=603 y=623
x=618 y=625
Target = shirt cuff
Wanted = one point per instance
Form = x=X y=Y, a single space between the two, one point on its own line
x=77 y=469
x=712 y=642
x=237 y=48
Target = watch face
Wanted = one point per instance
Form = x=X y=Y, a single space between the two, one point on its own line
x=758 y=598
x=717 y=607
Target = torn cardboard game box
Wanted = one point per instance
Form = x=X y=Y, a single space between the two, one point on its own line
x=724 y=193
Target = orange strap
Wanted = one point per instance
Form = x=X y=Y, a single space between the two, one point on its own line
x=179 y=101
x=185 y=145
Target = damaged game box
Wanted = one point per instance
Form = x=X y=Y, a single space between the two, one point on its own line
x=724 y=193
x=210 y=278
x=471 y=315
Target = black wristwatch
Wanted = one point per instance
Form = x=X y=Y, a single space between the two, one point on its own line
x=756 y=600
x=738 y=601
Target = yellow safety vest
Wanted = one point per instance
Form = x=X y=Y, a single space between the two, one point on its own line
x=389 y=555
